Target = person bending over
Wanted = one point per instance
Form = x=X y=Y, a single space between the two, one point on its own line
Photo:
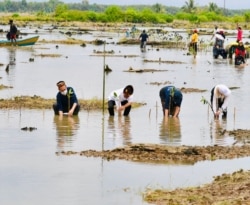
x=66 y=101
x=121 y=99
x=240 y=53
x=219 y=100
x=171 y=99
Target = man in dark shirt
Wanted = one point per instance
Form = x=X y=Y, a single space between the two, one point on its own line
x=13 y=32
x=66 y=100
x=144 y=38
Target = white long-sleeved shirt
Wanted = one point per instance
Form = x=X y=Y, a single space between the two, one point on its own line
x=221 y=91
x=118 y=97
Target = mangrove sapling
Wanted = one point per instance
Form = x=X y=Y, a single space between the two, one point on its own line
x=204 y=101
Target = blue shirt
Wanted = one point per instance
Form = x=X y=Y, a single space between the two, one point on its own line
x=65 y=102
x=171 y=93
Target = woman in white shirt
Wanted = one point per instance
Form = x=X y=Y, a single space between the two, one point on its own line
x=219 y=100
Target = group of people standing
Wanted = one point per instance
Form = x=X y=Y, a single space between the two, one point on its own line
x=239 y=50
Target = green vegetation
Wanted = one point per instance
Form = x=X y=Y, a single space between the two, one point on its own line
x=55 y=10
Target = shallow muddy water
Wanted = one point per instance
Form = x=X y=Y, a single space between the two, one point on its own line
x=32 y=173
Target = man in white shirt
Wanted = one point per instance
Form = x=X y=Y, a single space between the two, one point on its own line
x=122 y=99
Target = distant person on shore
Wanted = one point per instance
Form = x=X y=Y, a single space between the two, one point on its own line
x=171 y=99
x=66 y=101
x=133 y=31
x=143 y=38
x=194 y=42
x=12 y=32
x=121 y=99
x=219 y=100
x=127 y=33
x=239 y=33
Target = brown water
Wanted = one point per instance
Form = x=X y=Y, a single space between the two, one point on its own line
x=31 y=172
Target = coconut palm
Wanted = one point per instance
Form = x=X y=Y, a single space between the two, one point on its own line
x=158 y=8
x=212 y=7
x=189 y=6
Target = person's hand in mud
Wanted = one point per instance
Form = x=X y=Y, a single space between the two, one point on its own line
x=121 y=108
x=217 y=114
x=71 y=111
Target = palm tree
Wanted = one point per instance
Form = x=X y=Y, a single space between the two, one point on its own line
x=212 y=7
x=189 y=6
x=158 y=8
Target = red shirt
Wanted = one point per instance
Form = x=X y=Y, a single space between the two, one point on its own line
x=240 y=52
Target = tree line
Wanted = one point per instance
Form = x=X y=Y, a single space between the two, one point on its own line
x=157 y=13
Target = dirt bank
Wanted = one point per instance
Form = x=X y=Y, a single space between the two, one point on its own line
x=227 y=189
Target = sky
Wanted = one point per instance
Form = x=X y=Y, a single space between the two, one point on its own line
x=229 y=4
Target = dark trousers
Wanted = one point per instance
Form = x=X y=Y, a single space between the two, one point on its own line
x=143 y=44
x=220 y=103
x=239 y=60
x=111 y=105
x=194 y=46
x=56 y=110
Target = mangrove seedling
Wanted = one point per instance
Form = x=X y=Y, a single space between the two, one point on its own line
x=204 y=101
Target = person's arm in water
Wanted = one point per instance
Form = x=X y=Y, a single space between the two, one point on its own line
x=123 y=107
x=71 y=111
x=177 y=111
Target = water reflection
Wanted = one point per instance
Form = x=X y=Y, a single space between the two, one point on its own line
x=120 y=128
x=217 y=131
x=170 y=130
x=12 y=56
x=66 y=129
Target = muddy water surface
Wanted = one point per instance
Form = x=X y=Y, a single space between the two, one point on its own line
x=31 y=172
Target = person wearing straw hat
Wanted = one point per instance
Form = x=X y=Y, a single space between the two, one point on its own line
x=219 y=100
x=66 y=101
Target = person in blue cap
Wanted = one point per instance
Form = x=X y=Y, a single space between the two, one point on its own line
x=171 y=99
